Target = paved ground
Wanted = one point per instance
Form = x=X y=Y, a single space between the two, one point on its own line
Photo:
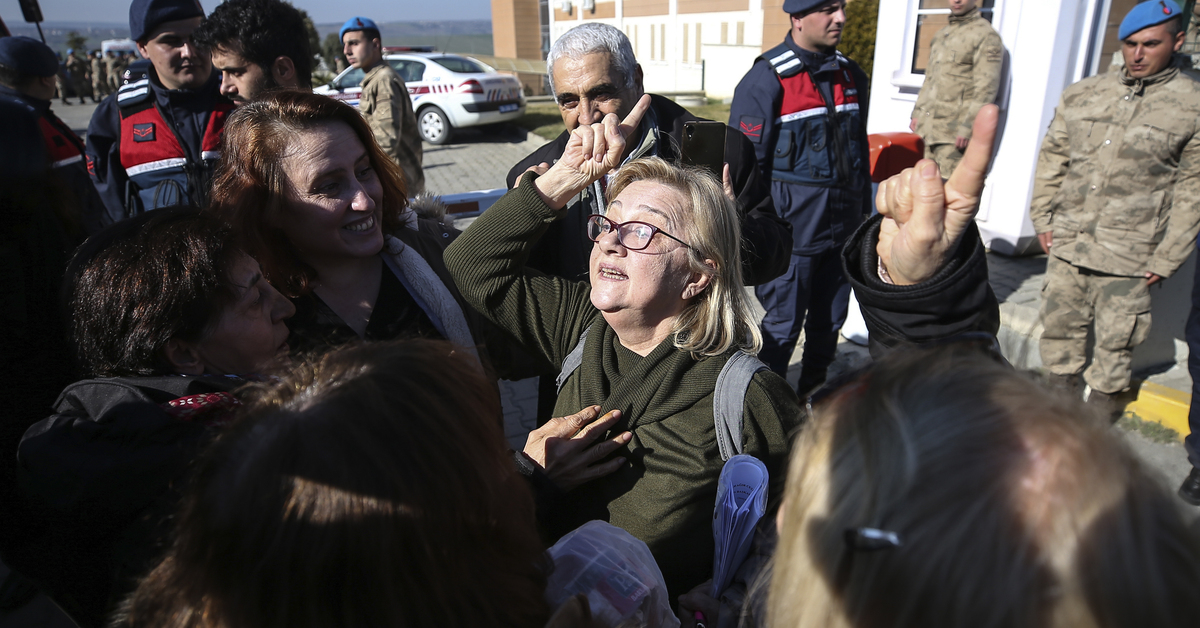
x=480 y=159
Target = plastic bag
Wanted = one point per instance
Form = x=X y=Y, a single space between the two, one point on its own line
x=615 y=571
x=741 y=502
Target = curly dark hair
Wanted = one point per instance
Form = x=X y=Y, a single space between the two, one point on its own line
x=143 y=281
x=260 y=31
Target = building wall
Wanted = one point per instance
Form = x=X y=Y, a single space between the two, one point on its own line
x=516 y=34
x=682 y=45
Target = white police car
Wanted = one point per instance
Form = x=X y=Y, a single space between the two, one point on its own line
x=448 y=91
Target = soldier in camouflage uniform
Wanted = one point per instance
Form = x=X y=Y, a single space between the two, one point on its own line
x=78 y=70
x=384 y=101
x=99 y=76
x=1116 y=204
x=963 y=75
x=111 y=62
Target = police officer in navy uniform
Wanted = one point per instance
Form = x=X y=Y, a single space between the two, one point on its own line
x=27 y=77
x=804 y=108
x=156 y=141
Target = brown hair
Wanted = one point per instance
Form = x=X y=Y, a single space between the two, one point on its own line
x=1012 y=506
x=250 y=187
x=368 y=488
x=141 y=282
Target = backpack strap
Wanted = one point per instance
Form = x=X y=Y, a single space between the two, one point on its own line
x=573 y=360
x=729 y=399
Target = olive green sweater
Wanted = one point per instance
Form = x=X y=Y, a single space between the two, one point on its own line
x=665 y=496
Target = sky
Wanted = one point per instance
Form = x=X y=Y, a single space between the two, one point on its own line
x=321 y=11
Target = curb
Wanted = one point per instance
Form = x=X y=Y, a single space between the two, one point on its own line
x=1163 y=405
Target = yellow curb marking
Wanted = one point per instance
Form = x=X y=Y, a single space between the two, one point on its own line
x=1163 y=405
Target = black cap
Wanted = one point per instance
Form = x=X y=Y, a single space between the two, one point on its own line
x=793 y=7
x=28 y=56
x=146 y=15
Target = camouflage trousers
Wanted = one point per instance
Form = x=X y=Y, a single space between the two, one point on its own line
x=1116 y=308
x=947 y=157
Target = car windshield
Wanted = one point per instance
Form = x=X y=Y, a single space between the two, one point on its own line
x=350 y=79
x=460 y=64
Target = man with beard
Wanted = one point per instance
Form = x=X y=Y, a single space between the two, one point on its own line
x=156 y=141
x=257 y=45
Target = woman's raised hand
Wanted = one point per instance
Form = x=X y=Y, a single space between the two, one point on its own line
x=591 y=152
x=924 y=215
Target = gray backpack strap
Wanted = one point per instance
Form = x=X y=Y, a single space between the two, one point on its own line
x=573 y=360
x=729 y=398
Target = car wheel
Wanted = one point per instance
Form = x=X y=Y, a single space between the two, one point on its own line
x=434 y=126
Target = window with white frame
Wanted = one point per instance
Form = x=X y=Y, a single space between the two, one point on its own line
x=932 y=16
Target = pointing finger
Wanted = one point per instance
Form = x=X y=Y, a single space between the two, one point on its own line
x=967 y=179
x=635 y=116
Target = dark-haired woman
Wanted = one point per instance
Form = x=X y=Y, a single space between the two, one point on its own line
x=168 y=317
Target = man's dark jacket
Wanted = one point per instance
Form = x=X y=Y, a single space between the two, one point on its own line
x=766 y=238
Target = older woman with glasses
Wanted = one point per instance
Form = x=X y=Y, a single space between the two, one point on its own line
x=664 y=311
x=662 y=314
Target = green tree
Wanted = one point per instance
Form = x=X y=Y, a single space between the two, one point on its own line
x=858 y=38
x=331 y=49
x=314 y=39
x=77 y=42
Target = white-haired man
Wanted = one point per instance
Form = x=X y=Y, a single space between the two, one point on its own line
x=593 y=73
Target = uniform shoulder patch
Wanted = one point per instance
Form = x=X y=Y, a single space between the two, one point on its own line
x=751 y=127
x=994 y=53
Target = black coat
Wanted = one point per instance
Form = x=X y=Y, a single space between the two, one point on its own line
x=958 y=299
x=766 y=239
x=97 y=483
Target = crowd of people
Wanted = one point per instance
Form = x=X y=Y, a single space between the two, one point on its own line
x=271 y=383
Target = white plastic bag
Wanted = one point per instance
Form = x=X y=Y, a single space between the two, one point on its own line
x=615 y=571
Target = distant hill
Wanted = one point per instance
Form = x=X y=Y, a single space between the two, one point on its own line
x=56 y=32
x=466 y=36
x=407 y=29
x=471 y=36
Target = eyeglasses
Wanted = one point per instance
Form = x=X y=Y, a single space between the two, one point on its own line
x=632 y=235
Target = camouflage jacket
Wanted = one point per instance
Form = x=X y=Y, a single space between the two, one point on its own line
x=99 y=72
x=77 y=67
x=386 y=105
x=1118 y=176
x=963 y=75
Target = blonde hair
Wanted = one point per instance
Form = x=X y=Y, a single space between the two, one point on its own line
x=1012 y=505
x=719 y=318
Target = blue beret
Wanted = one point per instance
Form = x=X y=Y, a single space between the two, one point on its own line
x=356 y=24
x=146 y=15
x=793 y=7
x=28 y=56
x=1148 y=14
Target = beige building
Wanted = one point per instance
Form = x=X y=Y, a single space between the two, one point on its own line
x=683 y=45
